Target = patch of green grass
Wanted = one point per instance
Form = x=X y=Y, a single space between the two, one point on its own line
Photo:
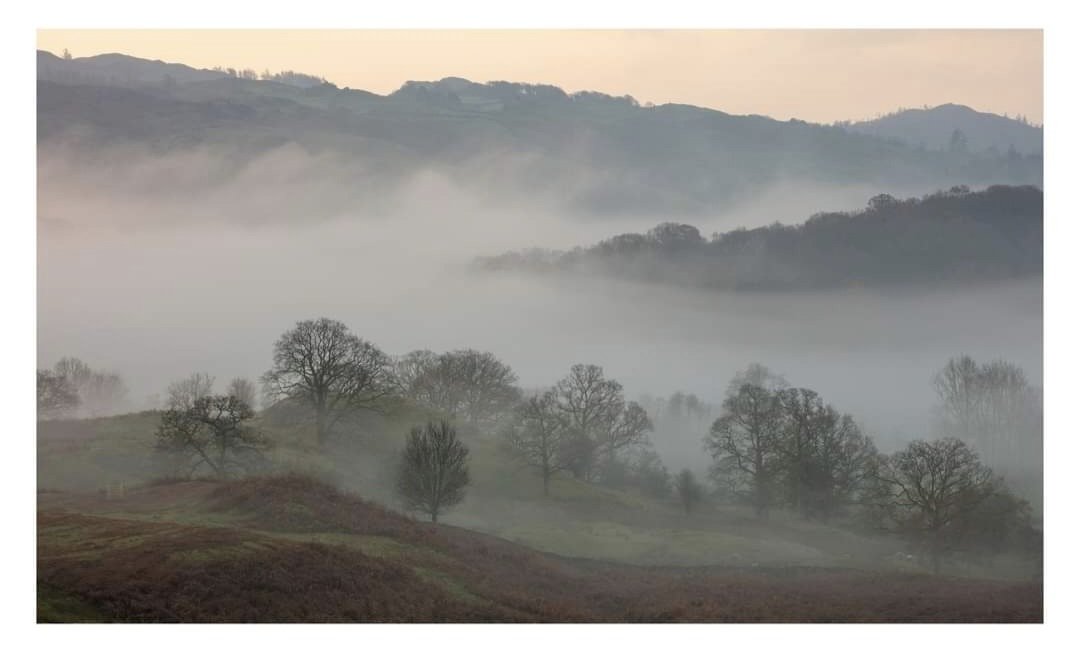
x=55 y=605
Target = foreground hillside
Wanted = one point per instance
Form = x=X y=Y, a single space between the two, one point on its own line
x=292 y=549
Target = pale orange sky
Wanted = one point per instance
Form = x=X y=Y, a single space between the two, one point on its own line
x=815 y=75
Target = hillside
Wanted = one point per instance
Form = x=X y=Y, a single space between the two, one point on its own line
x=956 y=127
x=957 y=236
x=584 y=151
x=291 y=549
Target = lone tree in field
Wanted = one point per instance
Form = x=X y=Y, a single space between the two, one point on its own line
x=324 y=367
x=538 y=435
x=689 y=490
x=934 y=487
x=433 y=471
x=213 y=434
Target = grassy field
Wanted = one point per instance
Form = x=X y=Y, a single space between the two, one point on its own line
x=295 y=549
x=99 y=515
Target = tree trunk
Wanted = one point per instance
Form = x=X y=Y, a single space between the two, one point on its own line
x=320 y=426
x=547 y=478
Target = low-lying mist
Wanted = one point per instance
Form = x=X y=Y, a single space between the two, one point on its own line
x=150 y=267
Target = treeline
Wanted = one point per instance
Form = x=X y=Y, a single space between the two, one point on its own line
x=72 y=389
x=949 y=236
x=772 y=446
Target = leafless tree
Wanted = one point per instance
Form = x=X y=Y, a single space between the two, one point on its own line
x=689 y=490
x=323 y=366
x=746 y=443
x=55 y=395
x=758 y=375
x=185 y=392
x=243 y=389
x=211 y=433
x=466 y=384
x=100 y=393
x=934 y=485
x=434 y=469
x=538 y=435
x=993 y=408
x=826 y=456
x=597 y=417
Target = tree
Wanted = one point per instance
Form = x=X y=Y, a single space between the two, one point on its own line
x=826 y=456
x=100 y=393
x=992 y=407
x=934 y=486
x=467 y=384
x=597 y=418
x=756 y=374
x=211 y=433
x=434 y=470
x=689 y=490
x=243 y=389
x=67 y=55
x=55 y=395
x=185 y=392
x=324 y=367
x=538 y=435
x=746 y=444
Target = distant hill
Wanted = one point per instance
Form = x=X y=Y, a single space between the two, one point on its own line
x=946 y=237
x=586 y=151
x=956 y=127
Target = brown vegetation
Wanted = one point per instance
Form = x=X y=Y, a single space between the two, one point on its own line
x=275 y=563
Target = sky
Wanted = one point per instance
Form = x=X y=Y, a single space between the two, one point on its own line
x=814 y=75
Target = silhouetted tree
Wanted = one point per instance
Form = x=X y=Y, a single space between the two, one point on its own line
x=322 y=366
x=935 y=486
x=185 y=392
x=598 y=418
x=243 y=389
x=689 y=490
x=434 y=469
x=56 y=396
x=467 y=384
x=538 y=435
x=212 y=432
x=746 y=443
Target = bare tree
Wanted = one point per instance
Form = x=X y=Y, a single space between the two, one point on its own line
x=185 y=392
x=538 y=435
x=746 y=444
x=243 y=389
x=689 y=490
x=100 y=393
x=627 y=425
x=826 y=456
x=933 y=486
x=597 y=417
x=467 y=384
x=56 y=396
x=993 y=407
x=323 y=366
x=758 y=375
x=434 y=470
x=212 y=433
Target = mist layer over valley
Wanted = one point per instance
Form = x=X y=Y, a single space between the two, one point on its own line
x=190 y=221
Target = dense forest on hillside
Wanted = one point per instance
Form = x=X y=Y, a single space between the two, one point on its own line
x=949 y=236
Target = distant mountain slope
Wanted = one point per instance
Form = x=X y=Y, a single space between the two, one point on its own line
x=954 y=236
x=955 y=127
x=586 y=151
